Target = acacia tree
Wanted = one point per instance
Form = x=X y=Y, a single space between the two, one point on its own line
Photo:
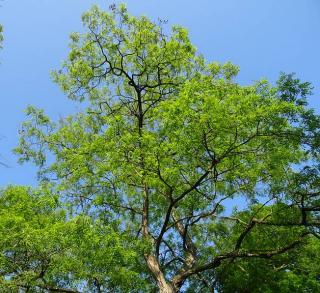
x=168 y=142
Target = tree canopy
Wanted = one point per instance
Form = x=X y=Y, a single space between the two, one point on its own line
x=44 y=251
x=174 y=177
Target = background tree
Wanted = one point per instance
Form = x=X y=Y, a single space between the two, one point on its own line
x=293 y=271
x=41 y=250
x=168 y=142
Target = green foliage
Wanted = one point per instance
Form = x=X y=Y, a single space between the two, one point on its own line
x=294 y=271
x=165 y=144
x=41 y=249
x=293 y=90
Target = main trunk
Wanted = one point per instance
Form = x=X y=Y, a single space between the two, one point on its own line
x=152 y=262
x=163 y=285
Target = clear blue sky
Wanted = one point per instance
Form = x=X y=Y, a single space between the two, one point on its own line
x=263 y=37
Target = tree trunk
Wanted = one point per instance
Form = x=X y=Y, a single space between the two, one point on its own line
x=163 y=285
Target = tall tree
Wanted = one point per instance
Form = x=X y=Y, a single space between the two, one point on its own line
x=168 y=142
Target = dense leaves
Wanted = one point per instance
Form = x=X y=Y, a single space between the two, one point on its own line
x=164 y=154
x=294 y=271
x=41 y=250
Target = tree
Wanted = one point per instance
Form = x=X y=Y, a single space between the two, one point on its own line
x=44 y=251
x=168 y=142
x=294 y=271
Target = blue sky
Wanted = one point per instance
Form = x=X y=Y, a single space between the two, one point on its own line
x=263 y=37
